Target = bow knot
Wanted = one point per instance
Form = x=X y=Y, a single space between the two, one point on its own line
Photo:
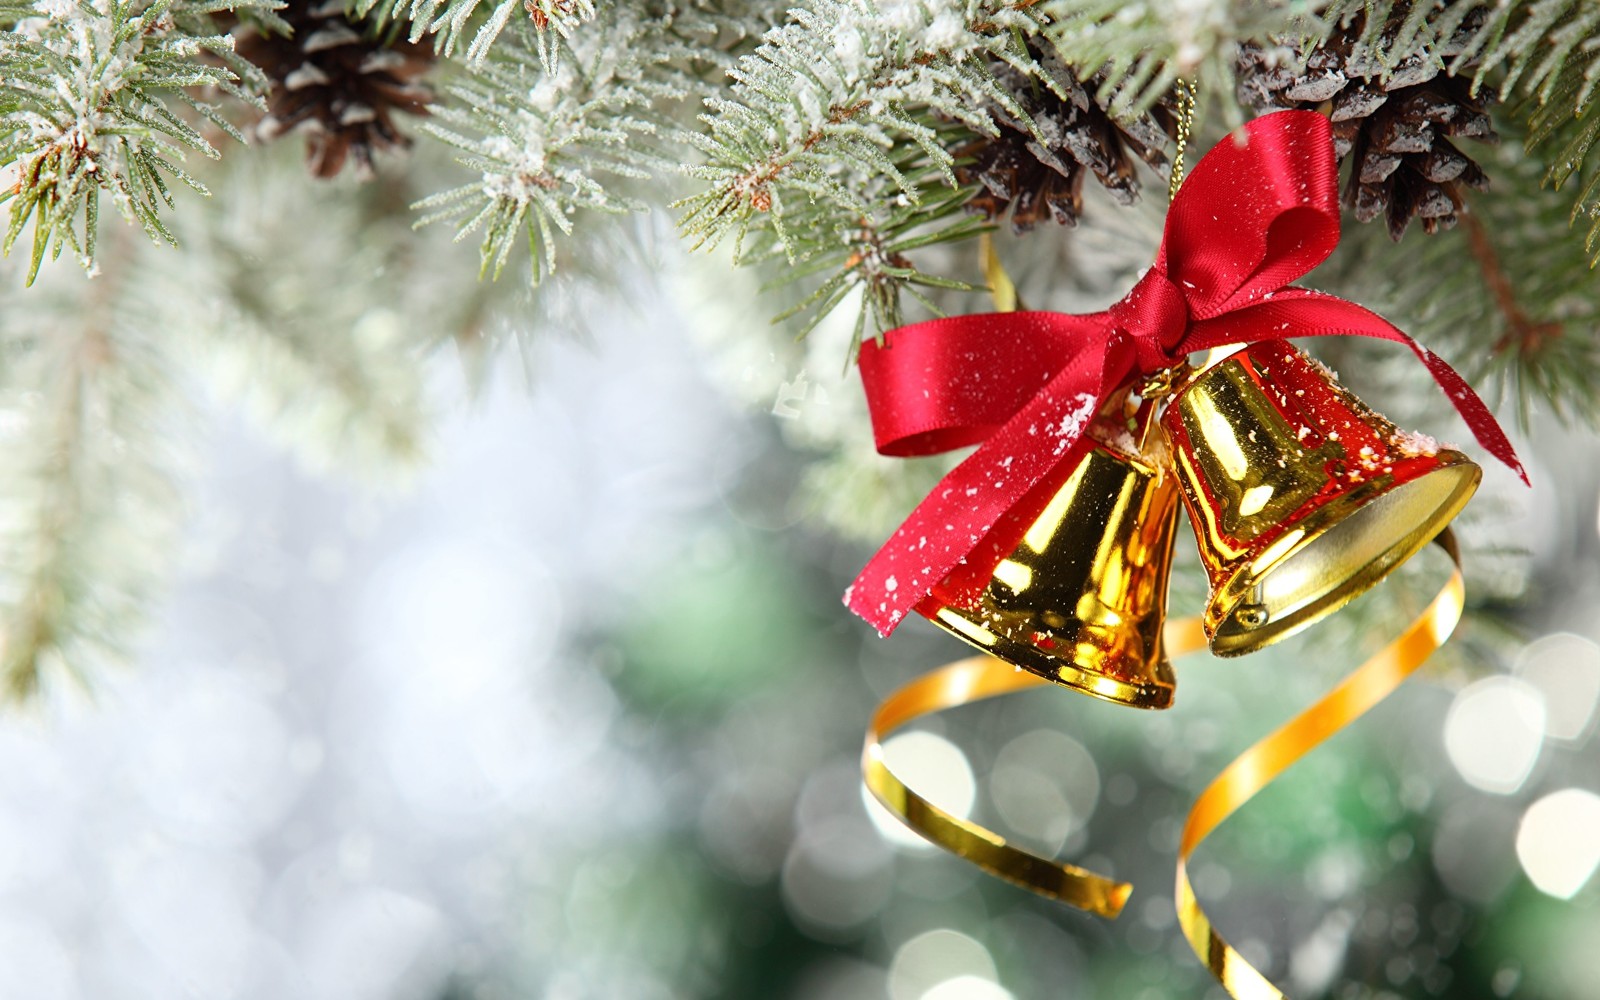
x=1155 y=316
x=1260 y=210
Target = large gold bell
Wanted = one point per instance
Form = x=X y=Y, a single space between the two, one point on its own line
x=1301 y=497
x=1074 y=584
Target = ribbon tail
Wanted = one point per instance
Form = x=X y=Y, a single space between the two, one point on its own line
x=951 y=521
x=953 y=685
x=1472 y=409
x=1302 y=312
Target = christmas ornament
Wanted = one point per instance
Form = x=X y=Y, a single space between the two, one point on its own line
x=1392 y=123
x=1258 y=211
x=1078 y=585
x=1049 y=547
x=1036 y=181
x=1300 y=496
x=333 y=80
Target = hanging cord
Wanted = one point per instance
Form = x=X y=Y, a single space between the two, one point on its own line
x=1185 y=90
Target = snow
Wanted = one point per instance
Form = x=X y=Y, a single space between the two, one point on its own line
x=1414 y=445
x=946 y=31
x=1074 y=421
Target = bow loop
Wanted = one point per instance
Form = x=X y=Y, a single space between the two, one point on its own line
x=1260 y=210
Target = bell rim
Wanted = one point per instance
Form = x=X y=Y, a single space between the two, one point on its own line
x=1227 y=596
x=1152 y=696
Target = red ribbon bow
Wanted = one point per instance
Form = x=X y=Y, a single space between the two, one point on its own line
x=1260 y=210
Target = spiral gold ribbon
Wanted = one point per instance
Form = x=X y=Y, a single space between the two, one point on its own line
x=981 y=677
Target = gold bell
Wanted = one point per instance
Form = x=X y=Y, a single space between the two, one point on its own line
x=1301 y=497
x=1074 y=586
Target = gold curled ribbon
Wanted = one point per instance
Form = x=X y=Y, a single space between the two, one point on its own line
x=980 y=677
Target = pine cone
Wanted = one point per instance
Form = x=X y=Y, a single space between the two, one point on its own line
x=1032 y=180
x=1391 y=129
x=336 y=82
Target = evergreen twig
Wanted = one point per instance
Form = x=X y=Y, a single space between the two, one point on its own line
x=1138 y=51
x=87 y=507
x=552 y=22
x=868 y=258
x=1516 y=310
x=84 y=111
x=817 y=112
x=553 y=139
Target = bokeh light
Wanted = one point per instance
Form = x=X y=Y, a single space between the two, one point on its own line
x=838 y=873
x=245 y=780
x=1565 y=669
x=1046 y=786
x=967 y=988
x=1494 y=732
x=1558 y=842
x=938 y=964
x=37 y=964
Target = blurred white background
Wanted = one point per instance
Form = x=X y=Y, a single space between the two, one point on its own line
x=362 y=722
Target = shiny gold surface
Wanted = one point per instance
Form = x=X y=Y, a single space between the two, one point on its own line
x=1081 y=598
x=983 y=677
x=1251 y=457
x=1300 y=497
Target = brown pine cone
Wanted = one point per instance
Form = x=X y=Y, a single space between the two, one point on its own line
x=1035 y=181
x=338 y=83
x=1391 y=129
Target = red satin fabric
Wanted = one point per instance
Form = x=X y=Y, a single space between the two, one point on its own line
x=1260 y=210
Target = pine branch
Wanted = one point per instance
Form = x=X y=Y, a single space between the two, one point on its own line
x=1565 y=127
x=552 y=22
x=817 y=112
x=87 y=501
x=1516 y=310
x=1572 y=138
x=323 y=339
x=87 y=97
x=1136 y=51
x=551 y=142
x=867 y=259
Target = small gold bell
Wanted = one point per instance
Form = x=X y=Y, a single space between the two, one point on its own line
x=1301 y=497
x=1075 y=585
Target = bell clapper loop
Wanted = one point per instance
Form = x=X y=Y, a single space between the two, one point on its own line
x=1159 y=385
x=1143 y=404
